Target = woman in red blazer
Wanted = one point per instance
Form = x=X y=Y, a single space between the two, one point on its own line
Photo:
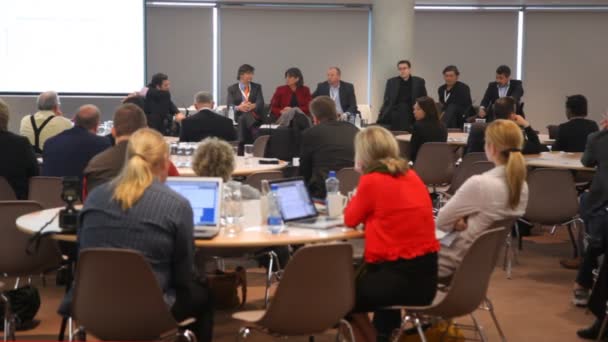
x=294 y=94
x=400 y=245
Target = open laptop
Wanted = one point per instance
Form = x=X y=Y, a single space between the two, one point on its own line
x=298 y=209
x=205 y=196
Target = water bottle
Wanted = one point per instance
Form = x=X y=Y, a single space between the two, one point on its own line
x=358 y=120
x=231 y=112
x=275 y=220
x=332 y=184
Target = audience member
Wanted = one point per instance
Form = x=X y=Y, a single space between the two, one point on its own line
x=572 y=135
x=69 y=152
x=248 y=101
x=293 y=96
x=284 y=142
x=137 y=211
x=342 y=93
x=45 y=123
x=206 y=123
x=159 y=107
x=17 y=160
x=495 y=195
x=455 y=98
x=325 y=147
x=503 y=87
x=400 y=246
x=504 y=108
x=427 y=127
x=399 y=95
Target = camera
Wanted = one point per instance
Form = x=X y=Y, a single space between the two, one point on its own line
x=70 y=194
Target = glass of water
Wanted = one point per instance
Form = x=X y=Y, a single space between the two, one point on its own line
x=248 y=153
x=232 y=208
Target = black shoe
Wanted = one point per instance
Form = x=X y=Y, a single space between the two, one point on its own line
x=592 y=332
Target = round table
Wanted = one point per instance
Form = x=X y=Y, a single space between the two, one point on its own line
x=460 y=138
x=558 y=160
x=242 y=167
x=254 y=234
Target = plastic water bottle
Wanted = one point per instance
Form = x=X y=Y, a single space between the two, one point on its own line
x=231 y=113
x=275 y=220
x=358 y=120
x=332 y=183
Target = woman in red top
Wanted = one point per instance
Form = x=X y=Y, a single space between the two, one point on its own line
x=294 y=94
x=400 y=246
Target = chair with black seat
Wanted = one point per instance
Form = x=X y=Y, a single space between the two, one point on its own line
x=6 y=191
x=349 y=179
x=46 y=191
x=121 y=303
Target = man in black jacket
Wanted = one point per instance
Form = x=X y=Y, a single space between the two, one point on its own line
x=455 y=98
x=399 y=96
x=248 y=101
x=206 y=123
x=503 y=87
x=17 y=161
x=159 y=107
x=328 y=146
x=343 y=93
x=572 y=135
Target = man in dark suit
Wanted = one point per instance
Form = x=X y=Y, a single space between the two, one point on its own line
x=206 y=123
x=572 y=135
x=158 y=105
x=328 y=146
x=455 y=98
x=69 y=152
x=504 y=108
x=17 y=160
x=248 y=101
x=343 y=93
x=399 y=96
x=503 y=87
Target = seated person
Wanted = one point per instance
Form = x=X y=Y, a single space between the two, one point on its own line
x=342 y=93
x=17 y=160
x=328 y=146
x=159 y=107
x=455 y=98
x=294 y=95
x=427 y=127
x=503 y=87
x=285 y=141
x=597 y=305
x=137 y=211
x=400 y=246
x=69 y=152
x=504 y=108
x=248 y=101
x=572 y=135
x=206 y=123
x=47 y=122
x=128 y=118
x=495 y=195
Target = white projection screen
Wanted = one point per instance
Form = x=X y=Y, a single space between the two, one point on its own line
x=72 y=46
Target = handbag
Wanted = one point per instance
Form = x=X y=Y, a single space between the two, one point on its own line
x=24 y=303
x=224 y=286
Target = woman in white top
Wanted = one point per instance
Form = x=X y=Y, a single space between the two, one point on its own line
x=495 y=195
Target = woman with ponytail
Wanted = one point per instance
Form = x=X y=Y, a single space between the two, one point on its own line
x=137 y=211
x=400 y=246
x=496 y=195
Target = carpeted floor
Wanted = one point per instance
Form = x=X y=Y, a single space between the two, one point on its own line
x=533 y=306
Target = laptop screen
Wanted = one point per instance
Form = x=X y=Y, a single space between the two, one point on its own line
x=204 y=196
x=294 y=201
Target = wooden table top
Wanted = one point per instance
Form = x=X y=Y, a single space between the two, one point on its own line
x=460 y=138
x=242 y=167
x=558 y=160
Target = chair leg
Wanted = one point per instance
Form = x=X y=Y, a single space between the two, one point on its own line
x=509 y=253
x=9 y=319
x=243 y=334
x=349 y=327
x=603 y=328
x=478 y=328
x=419 y=328
x=406 y=319
x=490 y=308
x=188 y=335
x=273 y=259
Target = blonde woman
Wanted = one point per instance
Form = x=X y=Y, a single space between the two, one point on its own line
x=137 y=211
x=400 y=245
x=495 y=195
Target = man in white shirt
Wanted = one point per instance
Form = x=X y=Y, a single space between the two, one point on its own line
x=46 y=123
x=342 y=93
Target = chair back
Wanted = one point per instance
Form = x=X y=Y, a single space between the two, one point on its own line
x=396 y=133
x=255 y=179
x=315 y=292
x=435 y=163
x=117 y=296
x=552 y=196
x=259 y=146
x=14 y=260
x=469 y=284
x=6 y=191
x=553 y=131
x=46 y=191
x=349 y=179
x=463 y=172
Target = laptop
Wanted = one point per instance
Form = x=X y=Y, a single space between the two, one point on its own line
x=205 y=196
x=297 y=207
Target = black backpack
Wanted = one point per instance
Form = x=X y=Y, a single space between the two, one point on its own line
x=24 y=304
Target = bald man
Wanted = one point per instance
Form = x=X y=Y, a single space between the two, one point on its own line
x=69 y=152
x=342 y=93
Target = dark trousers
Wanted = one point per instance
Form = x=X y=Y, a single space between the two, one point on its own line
x=247 y=124
x=400 y=282
x=599 y=296
x=595 y=222
x=195 y=302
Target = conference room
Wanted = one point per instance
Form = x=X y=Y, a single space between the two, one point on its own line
x=353 y=170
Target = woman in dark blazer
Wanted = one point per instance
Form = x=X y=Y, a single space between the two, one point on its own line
x=427 y=127
x=293 y=95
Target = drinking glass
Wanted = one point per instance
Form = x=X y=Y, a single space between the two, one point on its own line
x=248 y=154
x=232 y=208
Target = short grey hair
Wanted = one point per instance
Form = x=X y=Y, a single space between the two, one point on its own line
x=47 y=100
x=87 y=117
x=4 y=115
x=203 y=97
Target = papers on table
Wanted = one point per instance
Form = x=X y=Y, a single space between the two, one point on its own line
x=446 y=239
